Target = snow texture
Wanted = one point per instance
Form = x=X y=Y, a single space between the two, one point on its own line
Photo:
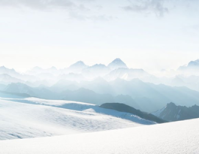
x=32 y=117
x=170 y=138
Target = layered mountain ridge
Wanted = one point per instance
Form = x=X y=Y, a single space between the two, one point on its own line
x=173 y=112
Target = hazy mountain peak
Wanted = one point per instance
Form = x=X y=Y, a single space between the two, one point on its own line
x=173 y=112
x=2 y=67
x=194 y=63
x=78 y=64
x=53 y=68
x=191 y=68
x=76 y=67
x=117 y=63
x=6 y=70
x=99 y=65
x=171 y=104
x=36 y=68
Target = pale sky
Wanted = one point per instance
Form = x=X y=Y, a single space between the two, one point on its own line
x=148 y=34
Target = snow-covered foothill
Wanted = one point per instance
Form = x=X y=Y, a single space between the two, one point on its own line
x=33 y=117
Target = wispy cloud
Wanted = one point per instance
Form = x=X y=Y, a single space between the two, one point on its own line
x=47 y=4
x=76 y=9
x=147 y=6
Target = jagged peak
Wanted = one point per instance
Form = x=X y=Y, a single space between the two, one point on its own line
x=117 y=63
x=171 y=104
x=117 y=60
x=194 y=63
x=99 y=65
x=37 y=68
x=53 y=67
x=3 y=67
x=77 y=64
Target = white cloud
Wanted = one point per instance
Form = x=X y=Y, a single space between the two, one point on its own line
x=39 y=3
x=147 y=6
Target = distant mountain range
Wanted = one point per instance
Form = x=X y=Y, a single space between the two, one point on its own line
x=81 y=67
x=191 y=68
x=117 y=63
x=173 y=112
x=76 y=67
x=78 y=71
x=125 y=108
x=191 y=64
x=101 y=83
x=140 y=95
x=4 y=70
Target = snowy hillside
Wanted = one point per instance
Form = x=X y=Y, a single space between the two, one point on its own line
x=32 y=117
x=170 y=138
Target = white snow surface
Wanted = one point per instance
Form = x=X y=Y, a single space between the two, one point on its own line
x=33 y=117
x=170 y=138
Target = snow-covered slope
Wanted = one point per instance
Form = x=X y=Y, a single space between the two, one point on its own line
x=32 y=117
x=170 y=138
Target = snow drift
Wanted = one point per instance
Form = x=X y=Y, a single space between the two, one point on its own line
x=177 y=137
x=32 y=117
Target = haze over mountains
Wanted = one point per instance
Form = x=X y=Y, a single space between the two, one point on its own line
x=116 y=69
x=191 y=68
x=100 y=84
x=74 y=95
